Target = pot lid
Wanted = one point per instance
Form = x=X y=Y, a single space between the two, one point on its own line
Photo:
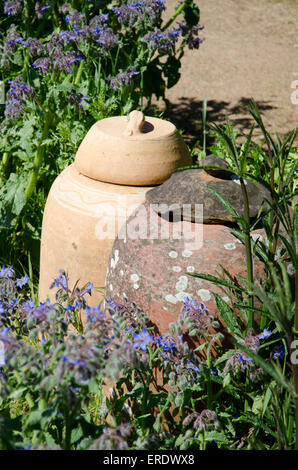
x=135 y=126
x=126 y=144
x=184 y=189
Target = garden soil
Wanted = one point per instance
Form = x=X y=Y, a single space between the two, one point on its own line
x=250 y=51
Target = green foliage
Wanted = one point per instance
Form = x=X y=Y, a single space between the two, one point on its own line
x=63 y=70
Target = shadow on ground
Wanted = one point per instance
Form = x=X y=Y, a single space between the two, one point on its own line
x=187 y=116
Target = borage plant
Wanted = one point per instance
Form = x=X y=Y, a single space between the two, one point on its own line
x=117 y=384
x=271 y=307
x=62 y=70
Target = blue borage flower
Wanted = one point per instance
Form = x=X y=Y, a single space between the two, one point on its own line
x=140 y=340
x=60 y=282
x=42 y=64
x=123 y=78
x=7 y=272
x=128 y=329
x=77 y=99
x=133 y=14
x=28 y=306
x=112 y=304
x=94 y=313
x=73 y=362
x=76 y=56
x=18 y=91
x=44 y=8
x=163 y=41
x=87 y=289
x=4 y=332
x=12 y=8
x=107 y=39
x=34 y=45
x=278 y=352
x=191 y=33
x=80 y=31
x=12 y=304
x=244 y=358
x=264 y=334
x=166 y=342
x=41 y=9
x=76 y=18
x=72 y=307
x=192 y=304
x=20 y=282
x=3 y=359
x=238 y=362
x=3 y=308
x=194 y=370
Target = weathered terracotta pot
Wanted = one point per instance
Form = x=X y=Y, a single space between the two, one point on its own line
x=154 y=270
x=84 y=210
x=82 y=217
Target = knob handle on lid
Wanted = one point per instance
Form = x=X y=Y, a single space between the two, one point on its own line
x=135 y=124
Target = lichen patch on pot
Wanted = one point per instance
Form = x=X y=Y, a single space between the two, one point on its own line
x=181 y=284
x=171 y=298
x=187 y=253
x=135 y=278
x=177 y=269
x=230 y=246
x=204 y=294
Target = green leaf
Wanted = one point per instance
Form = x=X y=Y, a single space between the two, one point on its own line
x=12 y=199
x=258 y=404
x=290 y=250
x=217 y=436
x=33 y=419
x=157 y=425
x=228 y=315
x=93 y=386
x=76 y=434
x=201 y=347
x=171 y=70
x=216 y=280
x=153 y=81
x=50 y=441
x=267 y=399
x=17 y=393
x=291 y=173
x=224 y=357
x=226 y=380
x=226 y=204
x=191 y=14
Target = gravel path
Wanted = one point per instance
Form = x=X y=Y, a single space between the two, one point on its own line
x=251 y=50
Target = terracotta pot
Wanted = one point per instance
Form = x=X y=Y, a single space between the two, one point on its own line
x=84 y=210
x=154 y=271
x=145 y=151
x=81 y=220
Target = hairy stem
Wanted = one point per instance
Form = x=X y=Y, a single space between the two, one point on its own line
x=38 y=160
x=177 y=13
x=249 y=260
x=79 y=73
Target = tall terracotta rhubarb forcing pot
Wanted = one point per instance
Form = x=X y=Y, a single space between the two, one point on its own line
x=118 y=161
